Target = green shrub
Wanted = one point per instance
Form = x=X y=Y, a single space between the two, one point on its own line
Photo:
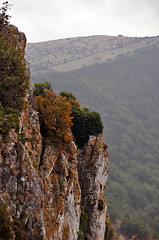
x=71 y=98
x=68 y=95
x=8 y=119
x=5 y=223
x=40 y=89
x=85 y=123
x=13 y=85
x=83 y=224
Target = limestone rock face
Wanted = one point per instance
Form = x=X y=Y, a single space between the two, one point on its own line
x=42 y=185
x=15 y=38
x=41 y=188
x=92 y=170
x=62 y=193
x=20 y=186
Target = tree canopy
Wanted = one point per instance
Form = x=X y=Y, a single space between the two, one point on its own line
x=61 y=116
x=40 y=89
x=4 y=17
x=55 y=118
x=85 y=122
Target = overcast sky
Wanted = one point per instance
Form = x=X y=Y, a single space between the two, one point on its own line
x=43 y=20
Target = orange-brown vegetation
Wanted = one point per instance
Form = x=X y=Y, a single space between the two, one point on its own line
x=55 y=120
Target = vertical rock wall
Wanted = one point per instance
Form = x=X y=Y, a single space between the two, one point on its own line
x=62 y=193
x=92 y=170
x=20 y=187
x=41 y=189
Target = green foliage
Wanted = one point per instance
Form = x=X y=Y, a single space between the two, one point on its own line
x=4 y=17
x=55 y=117
x=71 y=98
x=5 y=223
x=135 y=203
x=68 y=95
x=83 y=224
x=8 y=119
x=85 y=109
x=10 y=225
x=40 y=89
x=134 y=227
x=13 y=86
x=85 y=123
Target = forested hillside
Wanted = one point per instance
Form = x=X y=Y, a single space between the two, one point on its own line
x=125 y=91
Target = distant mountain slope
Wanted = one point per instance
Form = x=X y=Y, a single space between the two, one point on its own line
x=74 y=53
x=126 y=93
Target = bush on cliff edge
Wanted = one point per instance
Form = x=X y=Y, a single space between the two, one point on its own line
x=55 y=118
x=61 y=114
x=85 y=122
x=13 y=85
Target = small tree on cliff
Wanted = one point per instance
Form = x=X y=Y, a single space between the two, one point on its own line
x=71 y=98
x=40 y=89
x=55 y=117
x=85 y=122
x=4 y=17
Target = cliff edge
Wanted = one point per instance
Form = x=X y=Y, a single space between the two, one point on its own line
x=45 y=190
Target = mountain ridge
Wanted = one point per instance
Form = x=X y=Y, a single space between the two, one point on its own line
x=74 y=53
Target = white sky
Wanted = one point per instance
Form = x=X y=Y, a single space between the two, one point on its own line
x=43 y=20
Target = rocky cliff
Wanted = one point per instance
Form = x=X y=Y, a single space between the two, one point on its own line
x=92 y=172
x=45 y=188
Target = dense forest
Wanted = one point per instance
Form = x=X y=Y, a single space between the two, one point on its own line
x=125 y=93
